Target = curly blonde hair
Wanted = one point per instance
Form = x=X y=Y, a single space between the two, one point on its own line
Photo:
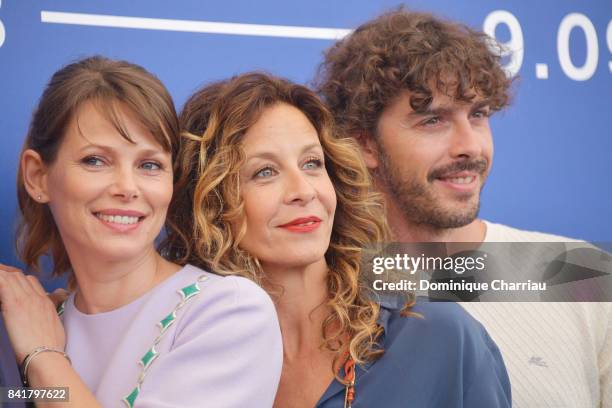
x=214 y=121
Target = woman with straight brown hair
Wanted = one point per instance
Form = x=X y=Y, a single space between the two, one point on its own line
x=94 y=186
x=266 y=191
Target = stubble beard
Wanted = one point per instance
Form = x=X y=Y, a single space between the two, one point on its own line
x=418 y=202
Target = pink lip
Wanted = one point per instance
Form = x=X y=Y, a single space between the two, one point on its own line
x=304 y=224
x=117 y=211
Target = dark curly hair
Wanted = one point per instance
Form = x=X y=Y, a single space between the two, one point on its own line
x=418 y=52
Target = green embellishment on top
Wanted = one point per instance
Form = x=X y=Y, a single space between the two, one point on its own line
x=167 y=321
x=60 y=308
x=186 y=293
x=190 y=291
x=130 y=399
x=148 y=358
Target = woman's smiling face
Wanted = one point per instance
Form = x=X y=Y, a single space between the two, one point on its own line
x=109 y=196
x=289 y=199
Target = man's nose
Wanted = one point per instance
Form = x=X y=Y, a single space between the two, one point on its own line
x=466 y=140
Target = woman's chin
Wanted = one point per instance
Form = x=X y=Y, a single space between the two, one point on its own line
x=299 y=260
x=121 y=251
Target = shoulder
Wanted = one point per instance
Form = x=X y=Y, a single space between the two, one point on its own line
x=226 y=338
x=224 y=300
x=443 y=327
x=436 y=318
x=230 y=289
x=503 y=233
x=444 y=337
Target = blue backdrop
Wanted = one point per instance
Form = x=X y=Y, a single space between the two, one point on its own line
x=552 y=165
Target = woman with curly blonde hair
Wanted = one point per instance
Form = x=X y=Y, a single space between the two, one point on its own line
x=268 y=192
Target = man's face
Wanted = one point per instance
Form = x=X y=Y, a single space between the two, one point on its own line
x=433 y=164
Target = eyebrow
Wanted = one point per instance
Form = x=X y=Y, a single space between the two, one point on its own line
x=440 y=111
x=271 y=155
x=144 y=152
x=480 y=104
x=446 y=110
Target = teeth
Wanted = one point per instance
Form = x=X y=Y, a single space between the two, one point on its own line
x=118 y=219
x=461 y=180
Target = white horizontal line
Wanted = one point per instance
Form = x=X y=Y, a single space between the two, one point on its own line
x=212 y=27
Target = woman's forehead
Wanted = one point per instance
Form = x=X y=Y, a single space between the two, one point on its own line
x=281 y=125
x=92 y=125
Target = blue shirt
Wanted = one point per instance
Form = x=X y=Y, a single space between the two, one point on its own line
x=446 y=359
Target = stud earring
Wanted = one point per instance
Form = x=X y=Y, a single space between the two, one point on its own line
x=39 y=197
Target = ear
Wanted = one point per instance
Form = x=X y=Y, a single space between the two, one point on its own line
x=369 y=149
x=34 y=173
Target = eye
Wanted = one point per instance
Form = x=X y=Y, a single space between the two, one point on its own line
x=265 y=172
x=432 y=121
x=313 y=163
x=481 y=113
x=93 y=161
x=151 y=166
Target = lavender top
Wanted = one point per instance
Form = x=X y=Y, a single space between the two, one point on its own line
x=221 y=348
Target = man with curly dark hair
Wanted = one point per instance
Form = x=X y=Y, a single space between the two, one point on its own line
x=416 y=91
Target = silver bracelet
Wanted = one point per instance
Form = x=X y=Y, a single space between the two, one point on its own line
x=38 y=350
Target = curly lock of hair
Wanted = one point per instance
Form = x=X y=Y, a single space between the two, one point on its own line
x=418 y=52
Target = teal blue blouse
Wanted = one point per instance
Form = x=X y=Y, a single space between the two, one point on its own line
x=446 y=359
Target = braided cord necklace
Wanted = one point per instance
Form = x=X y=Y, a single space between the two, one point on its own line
x=349 y=381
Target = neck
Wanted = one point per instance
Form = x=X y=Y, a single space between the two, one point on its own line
x=104 y=285
x=405 y=230
x=301 y=305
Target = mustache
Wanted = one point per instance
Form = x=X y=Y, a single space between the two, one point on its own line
x=478 y=166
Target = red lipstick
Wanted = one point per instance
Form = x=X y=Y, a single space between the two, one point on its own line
x=303 y=224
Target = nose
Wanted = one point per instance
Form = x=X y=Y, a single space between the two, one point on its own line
x=466 y=140
x=124 y=186
x=299 y=188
